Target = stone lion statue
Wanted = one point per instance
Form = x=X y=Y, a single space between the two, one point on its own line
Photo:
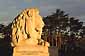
x=27 y=26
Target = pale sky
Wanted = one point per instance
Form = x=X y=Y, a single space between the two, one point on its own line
x=9 y=9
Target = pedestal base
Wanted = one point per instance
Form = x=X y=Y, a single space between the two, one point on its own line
x=31 y=50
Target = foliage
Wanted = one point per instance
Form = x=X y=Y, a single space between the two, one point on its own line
x=69 y=28
x=61 y=22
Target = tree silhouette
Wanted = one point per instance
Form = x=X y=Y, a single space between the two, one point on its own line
x=2 y=28
x=60 y=23
x=56 y=23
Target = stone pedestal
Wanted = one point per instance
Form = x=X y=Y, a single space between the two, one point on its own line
x=31 y=50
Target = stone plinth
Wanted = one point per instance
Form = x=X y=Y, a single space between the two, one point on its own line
x=31 y=50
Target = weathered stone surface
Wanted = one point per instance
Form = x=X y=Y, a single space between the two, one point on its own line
x=31 y=50
x=26 y=33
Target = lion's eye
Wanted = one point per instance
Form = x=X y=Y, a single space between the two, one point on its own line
x=37 y=30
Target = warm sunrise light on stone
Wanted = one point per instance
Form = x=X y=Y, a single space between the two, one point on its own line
x=26 y=34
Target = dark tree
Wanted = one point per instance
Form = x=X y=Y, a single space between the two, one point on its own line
x=60 y=23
